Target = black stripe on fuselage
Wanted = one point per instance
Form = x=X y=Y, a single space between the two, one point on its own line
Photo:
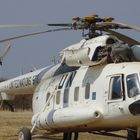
x=56 y=70
x=63 y=68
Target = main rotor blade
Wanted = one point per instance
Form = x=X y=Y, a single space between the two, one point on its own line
x=61 y=24
x=124 y=38
x=33 y=34
x=116 y=25
x=5 y=51
x=22 y=25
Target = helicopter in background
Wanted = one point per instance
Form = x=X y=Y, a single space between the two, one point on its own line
x=95 y=88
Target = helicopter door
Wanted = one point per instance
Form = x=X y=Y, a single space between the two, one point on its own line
x=67 y=89
x=116 y=95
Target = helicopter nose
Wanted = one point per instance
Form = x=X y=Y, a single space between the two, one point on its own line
x=134 y=108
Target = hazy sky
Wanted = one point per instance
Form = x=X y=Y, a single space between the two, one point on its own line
x=38 y=51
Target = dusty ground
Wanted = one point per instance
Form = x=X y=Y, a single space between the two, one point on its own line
x=11 y=122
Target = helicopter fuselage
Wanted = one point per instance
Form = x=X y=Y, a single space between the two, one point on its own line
x=96 y=86
x=82 y=93
x=88 y=98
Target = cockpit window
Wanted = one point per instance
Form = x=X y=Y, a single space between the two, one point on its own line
x=116 y=89
x=133 y=85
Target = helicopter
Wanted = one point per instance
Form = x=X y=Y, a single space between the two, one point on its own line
x=95 y=88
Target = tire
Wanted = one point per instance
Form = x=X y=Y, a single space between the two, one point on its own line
x=76 y=134
x=132 y=135
x=24 y=134
x=67 y=136
x=1 y=101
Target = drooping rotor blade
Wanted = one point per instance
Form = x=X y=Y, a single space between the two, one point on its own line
x=22 y=25
x=33 y=34
x=116 y=25
x=61 y=24
x=124 y=38
x=4 y=53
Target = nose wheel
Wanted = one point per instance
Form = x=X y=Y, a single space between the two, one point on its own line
x=24 y=134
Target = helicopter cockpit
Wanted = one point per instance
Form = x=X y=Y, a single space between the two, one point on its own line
x=133 y=85
x=133 y=90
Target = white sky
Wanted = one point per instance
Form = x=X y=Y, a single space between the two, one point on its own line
x=38 y=51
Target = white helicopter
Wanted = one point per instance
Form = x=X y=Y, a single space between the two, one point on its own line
x=95 y=88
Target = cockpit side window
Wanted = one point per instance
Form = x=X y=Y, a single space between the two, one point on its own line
x=133 y=85
x=116 y=88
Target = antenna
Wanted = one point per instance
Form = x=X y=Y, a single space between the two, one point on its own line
x=21 y=70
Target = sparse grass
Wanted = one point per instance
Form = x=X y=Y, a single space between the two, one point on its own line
x=11 y=122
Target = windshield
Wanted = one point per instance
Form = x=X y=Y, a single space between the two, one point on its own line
x=133 y=86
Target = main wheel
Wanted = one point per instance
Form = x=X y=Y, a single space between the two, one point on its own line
x=24 y=134
x=76 y=135
x=1 y=101
x=132 y=135
x=67 y=136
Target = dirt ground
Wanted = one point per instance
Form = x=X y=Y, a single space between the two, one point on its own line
x=11 y=122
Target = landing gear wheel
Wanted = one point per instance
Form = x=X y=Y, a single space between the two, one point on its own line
x=69 y=136
x=76 y=136
x=24 y=134
x=132 y=135
x=1 y=101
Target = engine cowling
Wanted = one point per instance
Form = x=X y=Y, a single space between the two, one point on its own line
x=88 y=52
x=77 y=57
x=100 y=50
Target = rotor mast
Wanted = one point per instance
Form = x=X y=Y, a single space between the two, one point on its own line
x=89 y=23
